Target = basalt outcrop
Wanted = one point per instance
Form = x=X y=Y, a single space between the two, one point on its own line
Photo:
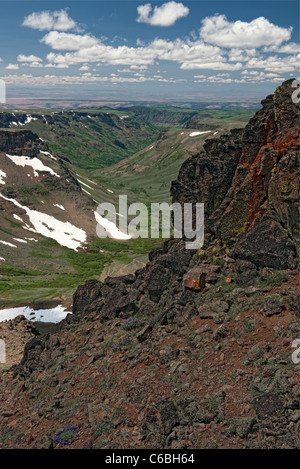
x=249 y=184
x=21 y=142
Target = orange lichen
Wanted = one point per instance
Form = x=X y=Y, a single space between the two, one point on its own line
x=262 y=167
x=259 y=188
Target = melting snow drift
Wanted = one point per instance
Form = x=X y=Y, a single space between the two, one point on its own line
x=2 y=175
x=111 y=228
x=64 y=233
x=44 y=315
x=35 y=163
x=193 y=134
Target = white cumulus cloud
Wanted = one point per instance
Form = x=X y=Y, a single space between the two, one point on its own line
x=259 y=32
x=47 y=20
x=164 y=15
x=67 y=41
x=12 y=67
x=28 y=58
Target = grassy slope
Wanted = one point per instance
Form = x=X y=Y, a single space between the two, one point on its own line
x=147 y=175
x=93 y=139
x=23 y=285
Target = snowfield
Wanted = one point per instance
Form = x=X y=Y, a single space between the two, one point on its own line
x=35 y=164
x=54 y=315
x=64 y=233
x=16 y=217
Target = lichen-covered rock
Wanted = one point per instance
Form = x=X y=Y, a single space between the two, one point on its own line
x=249 y=183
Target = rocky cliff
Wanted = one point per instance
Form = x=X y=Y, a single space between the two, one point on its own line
x=249 y=184
x=21 y=142
x=195 y=349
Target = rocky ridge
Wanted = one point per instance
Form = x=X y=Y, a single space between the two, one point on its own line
x=195 y=349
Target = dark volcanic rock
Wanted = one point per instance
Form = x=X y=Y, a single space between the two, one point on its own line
x=85 y=295
x=249 y=183
x=267 y=244
x=268 y=404
x=207 y=177
x=21 y=142
x=156 y=281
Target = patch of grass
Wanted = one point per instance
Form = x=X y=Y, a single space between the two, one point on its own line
x=16 y=271
x=249 y=325
x=103 y=426
x=275 y=280
x=212 y=404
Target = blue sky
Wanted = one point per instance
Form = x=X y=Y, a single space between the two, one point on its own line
x=148 y=50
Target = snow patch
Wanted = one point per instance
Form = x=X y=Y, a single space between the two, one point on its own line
x=110 y=227
x=8 y=244
x=28 y=119
x=35 y=163
x=85 y=191
x=92 y=182
x=53 y=315
x=59 y=206
x=2 y=175
x=64 y=233
x=20 y=240
x=16 y=217
x=83 y=183
x=193 y=134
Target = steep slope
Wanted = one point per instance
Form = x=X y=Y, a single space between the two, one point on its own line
x=195 y=349
x=44 y=212
x=89 y=139
x=30 y=170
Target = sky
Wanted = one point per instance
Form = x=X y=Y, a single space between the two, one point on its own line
x=156 y=50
